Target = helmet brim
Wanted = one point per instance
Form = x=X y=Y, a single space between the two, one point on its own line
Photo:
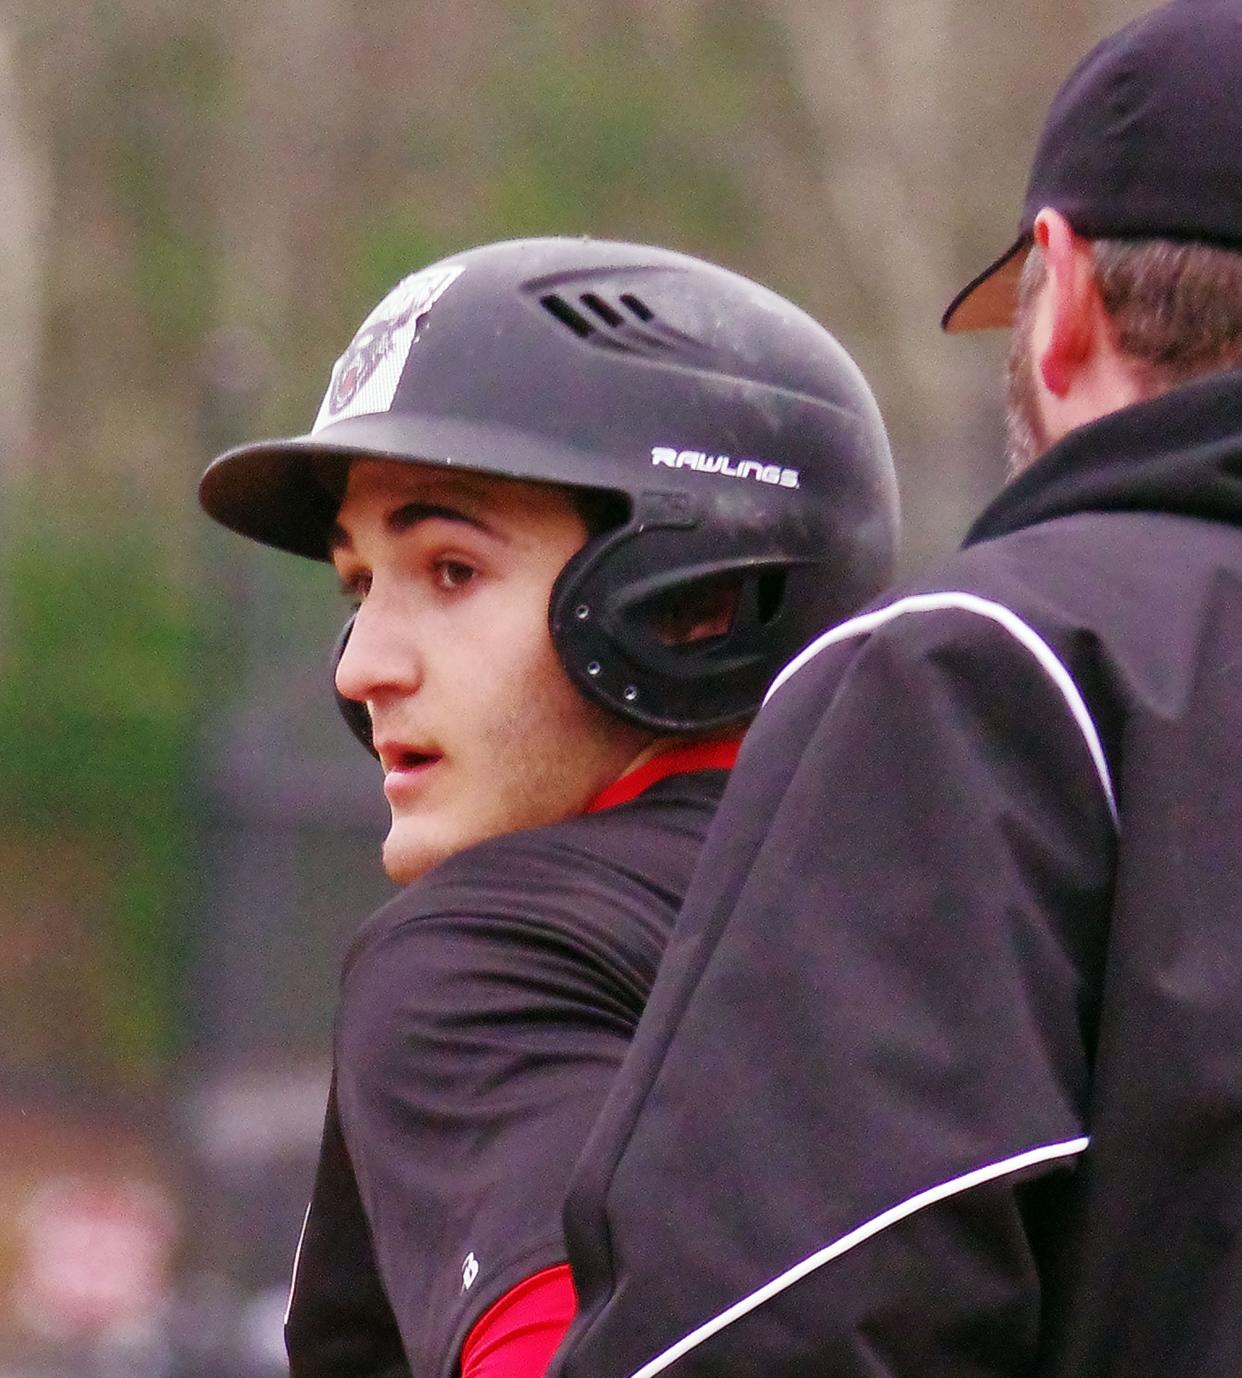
x=285 y=493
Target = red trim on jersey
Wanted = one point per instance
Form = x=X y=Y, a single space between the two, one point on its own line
x=517 y=1336
x=680 y=760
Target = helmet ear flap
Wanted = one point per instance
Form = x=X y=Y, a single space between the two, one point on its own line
x=604 y=620
x=357 y=719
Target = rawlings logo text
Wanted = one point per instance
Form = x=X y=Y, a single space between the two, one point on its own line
x=703 y=463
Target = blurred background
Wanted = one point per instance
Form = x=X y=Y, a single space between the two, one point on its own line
x=198 y=205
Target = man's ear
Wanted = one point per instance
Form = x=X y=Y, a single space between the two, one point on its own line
x=1073 y=306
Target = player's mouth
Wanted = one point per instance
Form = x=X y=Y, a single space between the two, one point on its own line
x=405 y=767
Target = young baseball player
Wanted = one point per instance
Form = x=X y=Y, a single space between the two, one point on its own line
x=586 y=499
x=942 y=1077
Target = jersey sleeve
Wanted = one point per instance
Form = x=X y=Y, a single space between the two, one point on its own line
x=517 y=1336
x=864 y=1090
x=476 y=1039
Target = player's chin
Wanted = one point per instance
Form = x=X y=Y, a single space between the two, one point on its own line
x=406 y=858
x=413 y=847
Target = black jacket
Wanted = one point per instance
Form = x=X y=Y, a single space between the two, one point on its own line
x=942 y=1075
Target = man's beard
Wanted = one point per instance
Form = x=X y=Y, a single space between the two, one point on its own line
x=1025 y=436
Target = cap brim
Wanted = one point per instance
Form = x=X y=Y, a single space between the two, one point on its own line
x=989 y=301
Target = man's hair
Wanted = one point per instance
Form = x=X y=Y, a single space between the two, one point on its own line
x=1176 y=306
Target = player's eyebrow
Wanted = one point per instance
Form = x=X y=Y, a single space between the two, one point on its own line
x=408 y=515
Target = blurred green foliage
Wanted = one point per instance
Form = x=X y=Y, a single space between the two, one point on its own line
x=97 y=738
x=609 y=138
x=150 y=93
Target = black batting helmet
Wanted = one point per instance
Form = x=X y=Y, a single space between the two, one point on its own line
x=739 y=435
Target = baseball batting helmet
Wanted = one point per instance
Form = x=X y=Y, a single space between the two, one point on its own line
x=741 y=439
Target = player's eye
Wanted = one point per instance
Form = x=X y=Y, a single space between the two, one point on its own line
x=453 y=574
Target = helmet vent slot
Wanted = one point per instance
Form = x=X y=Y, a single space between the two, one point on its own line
x=622 y=321
x=567 y=315
x=606 y=313
x=637 y=306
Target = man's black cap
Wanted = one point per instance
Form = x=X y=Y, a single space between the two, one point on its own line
x=1144 y=141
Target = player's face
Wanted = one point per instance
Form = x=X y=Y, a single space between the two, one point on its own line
x=478 y=727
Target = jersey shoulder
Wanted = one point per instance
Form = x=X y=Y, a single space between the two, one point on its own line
x=610 y=882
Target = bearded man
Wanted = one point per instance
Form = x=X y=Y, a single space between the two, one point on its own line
x=940 y=1077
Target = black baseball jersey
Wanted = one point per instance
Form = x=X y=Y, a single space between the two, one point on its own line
x=483 y=1014
x=942 y=1075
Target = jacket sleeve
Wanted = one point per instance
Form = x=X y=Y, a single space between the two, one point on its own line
x=475 y=1044
x=861 y=1122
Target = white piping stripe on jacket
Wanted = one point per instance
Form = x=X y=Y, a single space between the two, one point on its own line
x=297 y=1259
x=1004 y=617
x=857 y=1236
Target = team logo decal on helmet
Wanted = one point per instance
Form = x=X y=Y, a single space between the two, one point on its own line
x=366 y=376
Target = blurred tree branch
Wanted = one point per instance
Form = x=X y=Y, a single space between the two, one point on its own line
x=24 y=181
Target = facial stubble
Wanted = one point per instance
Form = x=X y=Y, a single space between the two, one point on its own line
x=1025 y=436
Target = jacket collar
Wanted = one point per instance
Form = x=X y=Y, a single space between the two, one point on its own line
x=1179 y=453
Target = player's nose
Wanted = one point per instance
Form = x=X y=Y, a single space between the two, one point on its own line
x=380 y=657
